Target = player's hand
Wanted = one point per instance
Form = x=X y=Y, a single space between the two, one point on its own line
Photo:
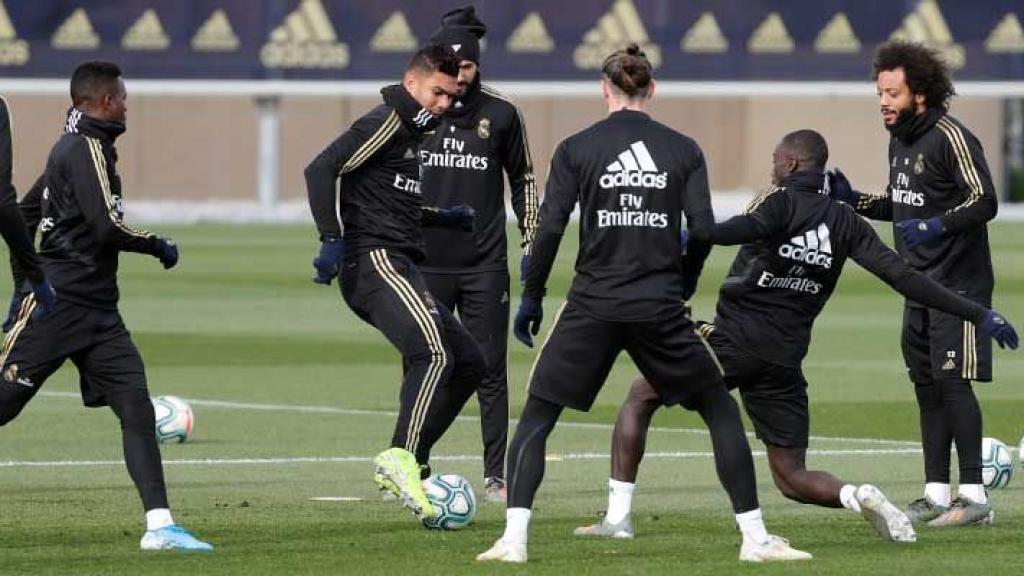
x=167 y=252
x=528 y=319
x=524 y=265
x=996 y=326
x=839 y=187
x=461 y=217
x=916 y=232
x=13 y=309
x=46 y=298
x=684 y=239
x=328 y=262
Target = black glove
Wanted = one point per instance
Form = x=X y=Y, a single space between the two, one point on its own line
x=528 y=318
x=460 y=217
x=328 y=262
x=839 y=187
x=916 y=231
x=167 y=252
x=1000 y=330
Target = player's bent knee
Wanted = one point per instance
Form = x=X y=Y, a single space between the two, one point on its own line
x=134 y=409
x=642 y=395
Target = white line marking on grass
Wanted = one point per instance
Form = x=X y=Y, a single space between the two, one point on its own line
x=449 y=458
x=390 y=414
x=336 y=499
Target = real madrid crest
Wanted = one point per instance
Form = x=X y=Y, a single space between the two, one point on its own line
x=11 y=374
x=919 y=164
x=483 y=129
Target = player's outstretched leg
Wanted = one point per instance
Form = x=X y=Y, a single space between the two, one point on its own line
x=628 y=442
x=142 y=457
x=525 y=472
x=889 y=521
x=735 y=466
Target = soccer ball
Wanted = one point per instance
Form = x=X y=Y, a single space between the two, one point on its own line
x=996 y=463
x=174 y=419
x=452 y=496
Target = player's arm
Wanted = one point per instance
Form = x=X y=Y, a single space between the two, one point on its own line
x=31 y=208
x=966 y=159
x=870 y=252
x=91 y=187
x=700 y=222
x=874 y=206
x=519 y=166
x=24 y=260
x=367 y=136
x=766 y=217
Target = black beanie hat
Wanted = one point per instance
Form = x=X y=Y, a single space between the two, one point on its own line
x=462 y=30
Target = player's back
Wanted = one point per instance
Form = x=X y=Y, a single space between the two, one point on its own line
x=634 y=176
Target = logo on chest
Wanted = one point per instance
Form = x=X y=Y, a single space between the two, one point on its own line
x=406 y=184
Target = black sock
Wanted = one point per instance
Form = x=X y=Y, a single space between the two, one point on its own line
x=141 y=451
x=963 y=416
x=733 y=460
x=936 y=433
x=526 y=453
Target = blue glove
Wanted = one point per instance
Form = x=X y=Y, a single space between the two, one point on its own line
x=916 y=231
x=524 y=264
x=1000 y=330
x=46 y=297
x=460 y=216
x=528 y=318
x=167 y=252
x=328 y=262
x=839 y=187
x=12 y=310
x=684 y=239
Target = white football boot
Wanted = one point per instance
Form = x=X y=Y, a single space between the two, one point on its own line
x=889 y=521
x=774 y=549
x=503 y=551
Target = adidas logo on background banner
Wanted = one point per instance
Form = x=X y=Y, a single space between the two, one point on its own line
x=813 y=247
x=13 y=50
x=927 y=26
x=76 y=33
x=620 y=26
x=634 y=168
x=147 y=33
x=394 y=35
x=531 y=36
x=1007 y=37
x=837 y=37
x=216 y=34
x=306 y=39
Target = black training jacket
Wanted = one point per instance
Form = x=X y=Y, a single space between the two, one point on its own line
x=633 y=178
x=24 y=260
x=464 y=161
x=796 y=241
x=940 y=170
x=81 y=215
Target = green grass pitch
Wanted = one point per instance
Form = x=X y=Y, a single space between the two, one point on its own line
x=240 y=323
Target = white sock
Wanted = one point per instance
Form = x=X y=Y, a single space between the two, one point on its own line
x=158 y=518
x=517 y=523
x=620 y=500
x=848 y=498
x=937 y=493
x=752 y=526
x=973 y=492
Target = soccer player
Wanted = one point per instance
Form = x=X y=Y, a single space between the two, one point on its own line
x=634 y=178
x=27 y=271
x=83 y=234
x=940 y=197
x=377 y=257
x=796 y=241
x=481 y=136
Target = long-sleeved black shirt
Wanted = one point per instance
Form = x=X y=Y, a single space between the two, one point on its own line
x=24 y=260
x=940 y=171
x=462 y=162
x=795 y=243
x=81 y=215
x=634 y=178
x=381 y=206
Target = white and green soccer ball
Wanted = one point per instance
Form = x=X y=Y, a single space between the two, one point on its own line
x=174 y=419
x=453 y=498
x=996 y=464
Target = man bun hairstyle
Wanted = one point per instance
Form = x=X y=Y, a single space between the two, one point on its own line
x=630 y=71
x=926 y=71
x=435 y=58
x=93 y=80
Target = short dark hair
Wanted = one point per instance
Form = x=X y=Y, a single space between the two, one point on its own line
x=93 y=80
x=808 y=147
x=926 y=71
x=435 y=58
x=629 y=70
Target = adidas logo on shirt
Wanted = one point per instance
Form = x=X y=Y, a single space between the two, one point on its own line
x=634 y=168
x=812 y=247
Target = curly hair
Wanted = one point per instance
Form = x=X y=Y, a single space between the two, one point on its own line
x=926 y=71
